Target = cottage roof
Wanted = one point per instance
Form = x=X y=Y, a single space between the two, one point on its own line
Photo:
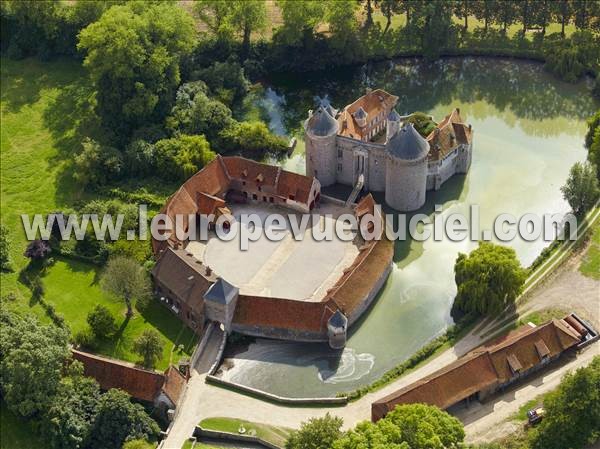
x=321 y=123
x=484 y=367
x=360 y=113
x=221 y=292
x=184 y=275
x=407 y=144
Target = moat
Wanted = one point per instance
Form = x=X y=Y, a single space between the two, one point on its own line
x=529 y=130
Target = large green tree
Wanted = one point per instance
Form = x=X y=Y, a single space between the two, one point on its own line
x=180 y=157
x=300 y=20
x=317 y=433
x=68 y=420
x=572 y=416
x=414 y=426
x=133 y=54
x=125 y=278
x=581 y=190
x=235 y=17
x=32 y=359
x=488 y=280
x=118 y=420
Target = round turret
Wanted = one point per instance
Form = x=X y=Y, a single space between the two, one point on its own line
x=321 y=130
x=337 y=327
x=406 y=169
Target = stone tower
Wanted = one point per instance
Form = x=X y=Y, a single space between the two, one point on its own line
x=393 y=124
x=406 y=169
x=337 y=327
x=220 y=301
x=321 y=130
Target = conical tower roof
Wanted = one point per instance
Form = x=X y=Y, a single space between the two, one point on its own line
x=322 y=123
x=408 y=144
x=394 y=116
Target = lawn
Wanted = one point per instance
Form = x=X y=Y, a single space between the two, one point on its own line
x=271 y=434
x=16 y=433
x=590 y=265
x=43 y=111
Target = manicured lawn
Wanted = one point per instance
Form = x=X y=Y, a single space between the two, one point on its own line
x=590 y=265
x=44 y=107
x=272 y=434
x=16 y=433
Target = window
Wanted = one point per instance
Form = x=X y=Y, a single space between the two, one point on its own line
x=339 y=167
x=291 y=197
x=270 y=199
x=254 y=197
x=243 y=183
x=340 y=154
x=259 y=188
x=265 y=199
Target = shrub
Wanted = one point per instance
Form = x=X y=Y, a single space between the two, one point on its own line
x=254 y=139
x=179 y=158
x=38 y=249
x=97 y=164
x=101 y=321
x=85 y=339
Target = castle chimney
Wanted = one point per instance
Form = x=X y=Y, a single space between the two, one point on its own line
x=469 y=127
x=208 y=271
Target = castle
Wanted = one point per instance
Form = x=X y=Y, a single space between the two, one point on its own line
x=193 y=291
x=369 y=145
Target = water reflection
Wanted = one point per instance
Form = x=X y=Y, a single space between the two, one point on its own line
x=529 y=130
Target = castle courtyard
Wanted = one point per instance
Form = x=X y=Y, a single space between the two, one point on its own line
x=291 y=269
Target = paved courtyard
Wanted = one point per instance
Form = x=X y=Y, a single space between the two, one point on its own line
x=289 y=268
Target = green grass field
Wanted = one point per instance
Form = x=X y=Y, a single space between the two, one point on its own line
x=43 y=110
x=590 y=265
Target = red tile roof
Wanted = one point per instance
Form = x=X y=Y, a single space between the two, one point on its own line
x=174 y=384
x=375 y=103
x=484 y=367
x=140 y=383
x=448 y=134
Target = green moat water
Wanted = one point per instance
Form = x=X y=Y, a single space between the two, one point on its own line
x=529 y=130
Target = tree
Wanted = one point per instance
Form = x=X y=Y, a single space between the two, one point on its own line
x=572 y=416
x=32 y=358
x=253 y=138
x=505 y=13
x=413 y=426
x=4 y=249
x=97 y=164
x=101 y=321
x=300 y=20
x=343 y=25
x=483 y=10
x=123 y=277
x=581 y=190
x=68 y=421
x=317 y=433
x=388 y=8
x=592 y=141
x=488 y=280
x=149 y=346
x=463 y=9
x=118 y=420
x=37 y=249
x=435 y=23
x=252 y=15
x=561 y=12
x=181 y=157
x=133 y=54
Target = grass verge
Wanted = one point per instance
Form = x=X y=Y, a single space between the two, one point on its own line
x=272 y=434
